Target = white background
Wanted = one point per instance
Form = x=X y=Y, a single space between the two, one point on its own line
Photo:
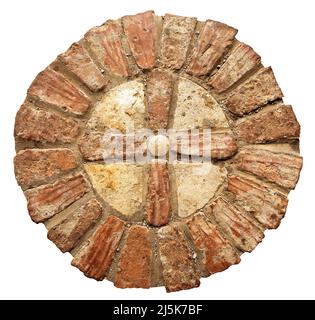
x=33 y=33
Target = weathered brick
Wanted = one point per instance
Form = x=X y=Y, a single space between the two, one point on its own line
x=105 y=42
x=78 y=61
x=135 y=264
x=34 y=165
x=267 y=205
x=43 y=126
x=242 y=60
x=53 y=88
x=241 y=231
x=220 y=144
x=48 y=200
x=215 y=39
x=254 y=93
x=141 y=32
x=179 y=270
x=217 y=252
x=271 y=124
x=282 y=169
x=158 y=204
x=176 y=36
x=158 y=98
x=95 y=258
x=66 y=234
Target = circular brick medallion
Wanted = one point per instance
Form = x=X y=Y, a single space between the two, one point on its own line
x=156 y=150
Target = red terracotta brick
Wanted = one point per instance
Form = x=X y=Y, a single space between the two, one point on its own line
x=158 y=204
x=271 y=124
x=176 y=36
x=179 y=270
x=78 y=61
x=66 y=234
x=254 y=93
x=48 y=200
x=141 y=32
x=282 y=169
x=53 y=88
x=158 y=98
x=267 y=205
x=243 y=234
x=221 y=144
x=105 y=42
x=242 y=60
x=134 y=268
x=43 y=126
x=217 y=252
x=215 y=39
x=96 y=257
x=34 y=165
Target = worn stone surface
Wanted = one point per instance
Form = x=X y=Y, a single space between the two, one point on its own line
x=120 y=185
x=204 y=177
x=66 y=234
x=271 y=124
x=196 y=108
x=215 y=39
x=279 y=168
x=176 y=36
x=78 y=61
x=242 y=60
x=179 y=270
x=217 y=252
x=141 y=32
x=53 y=88
x=95 y=258
x=243 y=234
x=34 y=165
x=47 y=200
x=120 y=109
x=135 y=263
x=266 y=204
x=254 y=93
x=43 y=126
x=158 y=202
x=105 y=42
x=158 y=98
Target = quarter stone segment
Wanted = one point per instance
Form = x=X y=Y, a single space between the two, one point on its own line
x=141 y=32
x=120 y=185
x=242 y=232
x=32 y=166
x=179 y=270
x=271 y=124
x=78 y=61
x=279 y=168
x=135 y=263
x=196 y=108
x=95 y=258
x=217 y=252
x=158 y=203
x=254 y=93
x=190 y=177
x=267 y=205
x=106 y=44
x=214 y=41
x=242 y=60
x=43 y=126
x=176 y=36
x=53 y=88
x=66 y=234
x=47 y=200
x=158 y=98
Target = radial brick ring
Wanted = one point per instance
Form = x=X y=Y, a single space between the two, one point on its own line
x=157 y=223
